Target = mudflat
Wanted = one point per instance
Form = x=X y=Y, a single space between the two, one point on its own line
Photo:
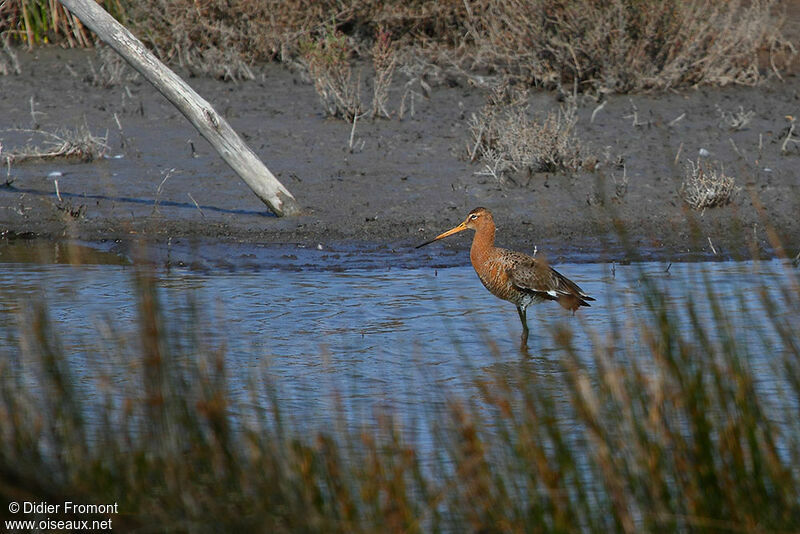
x=393 y=183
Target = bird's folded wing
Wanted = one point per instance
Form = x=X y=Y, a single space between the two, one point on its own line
x=538 y=277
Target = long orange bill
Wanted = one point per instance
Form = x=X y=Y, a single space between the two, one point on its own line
x=460 y=228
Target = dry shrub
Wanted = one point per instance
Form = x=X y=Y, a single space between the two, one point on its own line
x=209 y=38
x=508 y=142
x=273 y=30
x=622 y=45
x=328 y=62
x=255 y=31
x=706 y=185
x=384 y=60
x=627 y=45
x=67 y=143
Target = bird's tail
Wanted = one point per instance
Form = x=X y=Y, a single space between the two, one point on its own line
x=572 y=301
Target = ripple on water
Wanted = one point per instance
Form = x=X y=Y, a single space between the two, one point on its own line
x=402 y=337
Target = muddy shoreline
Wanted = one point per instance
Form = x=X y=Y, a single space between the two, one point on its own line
x=401 y=182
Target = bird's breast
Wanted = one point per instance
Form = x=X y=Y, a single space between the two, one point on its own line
x=495 y=277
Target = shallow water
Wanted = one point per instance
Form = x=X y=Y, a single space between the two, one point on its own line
x=370 y=338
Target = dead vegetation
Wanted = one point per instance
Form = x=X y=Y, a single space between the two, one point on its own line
x=509 y=142
x=622 y=45
x=327 y=60
x=35 y=22
x=384 y=61
x=67 y=207
x=735 y=120
x=790 y=135
x=217 y=39
x=66 y=143
x=630 y=45
x=9 y=64
x=111 y=69
x=246 y=32
x=706 y=185
x=674 y=419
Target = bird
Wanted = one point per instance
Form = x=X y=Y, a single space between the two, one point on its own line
x=514 y=276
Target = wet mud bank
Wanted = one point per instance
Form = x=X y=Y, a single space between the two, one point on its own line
x=398 y=183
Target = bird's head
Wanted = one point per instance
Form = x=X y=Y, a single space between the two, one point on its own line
x=476 y=219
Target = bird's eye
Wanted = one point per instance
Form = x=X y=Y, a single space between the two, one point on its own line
x=473 y=217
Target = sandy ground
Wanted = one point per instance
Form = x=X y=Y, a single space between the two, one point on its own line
x=403 y=181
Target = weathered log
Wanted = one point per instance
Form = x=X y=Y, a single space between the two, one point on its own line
x=200 y=113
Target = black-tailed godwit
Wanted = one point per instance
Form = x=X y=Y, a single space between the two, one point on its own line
x=511 y=275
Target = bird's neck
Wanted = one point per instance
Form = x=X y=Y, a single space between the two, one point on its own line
x=482 y=244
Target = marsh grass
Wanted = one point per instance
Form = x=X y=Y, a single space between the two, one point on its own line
x=36 y=22
x=661 y=426
x=623 y=45
x=629 y=45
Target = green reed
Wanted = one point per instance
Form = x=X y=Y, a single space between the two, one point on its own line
x=37 y=22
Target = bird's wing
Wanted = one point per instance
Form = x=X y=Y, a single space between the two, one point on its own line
x=537 y=276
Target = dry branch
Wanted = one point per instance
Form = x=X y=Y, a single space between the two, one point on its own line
x=200 y=113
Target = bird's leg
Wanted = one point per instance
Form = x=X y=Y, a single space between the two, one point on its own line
x=524 y=320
